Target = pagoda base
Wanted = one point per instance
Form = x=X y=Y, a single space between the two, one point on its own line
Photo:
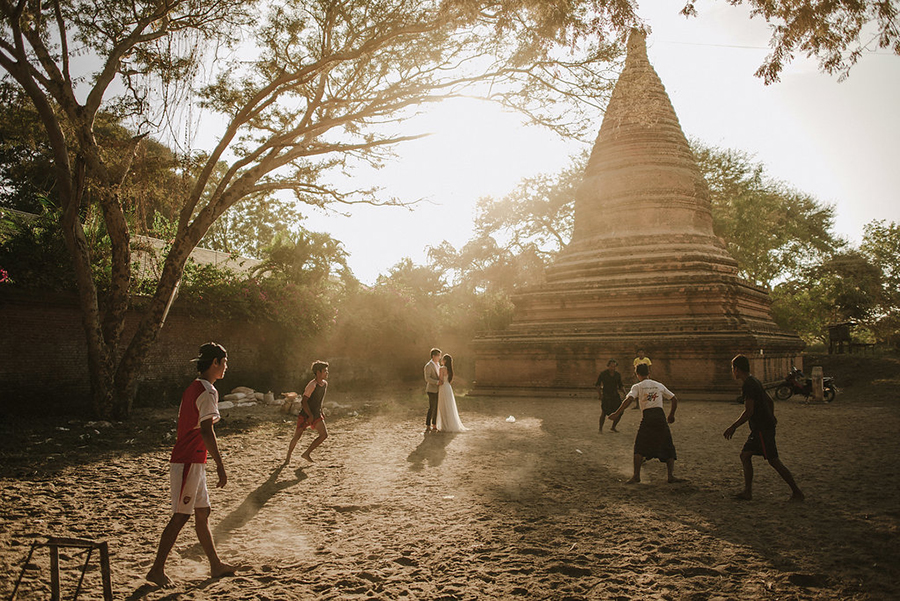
x=693 y=367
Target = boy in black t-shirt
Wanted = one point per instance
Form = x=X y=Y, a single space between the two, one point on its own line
x=759 y=410
x=609 y=384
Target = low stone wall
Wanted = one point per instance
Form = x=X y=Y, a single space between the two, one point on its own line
x=43 y=356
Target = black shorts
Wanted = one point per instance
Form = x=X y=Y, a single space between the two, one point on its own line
x=762 y=442
x=609 y=405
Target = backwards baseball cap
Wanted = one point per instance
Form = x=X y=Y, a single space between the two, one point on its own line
x=209 y=352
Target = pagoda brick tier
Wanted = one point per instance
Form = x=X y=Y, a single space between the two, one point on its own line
x=644 y=269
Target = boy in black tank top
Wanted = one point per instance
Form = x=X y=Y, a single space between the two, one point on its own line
x=311 y=413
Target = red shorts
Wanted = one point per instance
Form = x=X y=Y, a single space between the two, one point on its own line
x=303 y=422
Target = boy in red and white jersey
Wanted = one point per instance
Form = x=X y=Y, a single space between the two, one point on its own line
x=198 y=412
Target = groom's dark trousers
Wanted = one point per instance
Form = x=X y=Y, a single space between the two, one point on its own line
x=431 y=418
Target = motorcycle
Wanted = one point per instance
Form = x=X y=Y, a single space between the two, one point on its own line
x=797 y=383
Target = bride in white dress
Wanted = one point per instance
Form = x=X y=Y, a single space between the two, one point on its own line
x=447 y=415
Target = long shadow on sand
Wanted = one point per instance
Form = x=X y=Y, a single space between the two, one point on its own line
x=432 y=450
x=247 y=510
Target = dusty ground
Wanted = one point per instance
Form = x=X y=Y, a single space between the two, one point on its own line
x=537 y=508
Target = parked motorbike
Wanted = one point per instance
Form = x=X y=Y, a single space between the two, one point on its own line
x=797 y=383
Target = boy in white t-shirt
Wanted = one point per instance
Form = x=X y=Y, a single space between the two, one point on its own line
x=654 y=439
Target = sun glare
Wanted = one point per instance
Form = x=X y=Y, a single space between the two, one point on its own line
x=474 y=149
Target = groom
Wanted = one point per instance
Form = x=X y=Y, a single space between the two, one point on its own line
x=432 y=378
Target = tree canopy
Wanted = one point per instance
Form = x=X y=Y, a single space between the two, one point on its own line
x=772 y=230
x=881 y=245
x=303 y=89
x=836 y=33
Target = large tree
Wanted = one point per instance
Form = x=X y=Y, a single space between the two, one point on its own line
x=314 y=87
x=774 y=231
x=881 y=245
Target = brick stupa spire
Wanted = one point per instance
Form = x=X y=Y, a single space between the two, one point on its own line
x=644 y=269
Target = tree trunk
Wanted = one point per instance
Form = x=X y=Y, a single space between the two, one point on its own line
x=128 y=370
x=100 y=360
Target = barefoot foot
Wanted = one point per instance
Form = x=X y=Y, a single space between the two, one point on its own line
x=743 y=496
x=307 y=457
x=674 y=480
x=798 y=497
x=634 y=481
x=159 y=578
x=223 y=569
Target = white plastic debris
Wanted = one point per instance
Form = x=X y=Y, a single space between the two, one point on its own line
x=579 y=451
x=510 y=419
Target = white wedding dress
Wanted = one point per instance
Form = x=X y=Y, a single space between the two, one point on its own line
x=447 y=415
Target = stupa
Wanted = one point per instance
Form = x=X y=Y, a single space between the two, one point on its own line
x=644 y=269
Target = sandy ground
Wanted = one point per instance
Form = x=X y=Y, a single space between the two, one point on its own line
x=533 y=509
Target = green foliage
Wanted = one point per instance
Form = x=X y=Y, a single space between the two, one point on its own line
x=251 y=225
x=383 y=328
x=837 y=33
x=773 y=231
x=800 y=307
x=221 y=294
x=852 y=283
x=421 y=283
x=844 y=288
x=515 y=238
x=304 y=258
x=294 y=287
x=28 y=175
x=881 y=246
x=35 y=255
x=26 y=166
x=537 y=217
x=32 y=253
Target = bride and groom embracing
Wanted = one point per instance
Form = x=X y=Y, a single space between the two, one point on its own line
x=442 y=413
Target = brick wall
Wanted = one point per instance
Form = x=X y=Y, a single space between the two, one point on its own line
x=43 y=356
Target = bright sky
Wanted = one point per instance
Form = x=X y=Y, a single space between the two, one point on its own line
x=835 y=141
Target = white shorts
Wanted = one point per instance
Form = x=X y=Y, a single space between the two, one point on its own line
x=188 y=485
